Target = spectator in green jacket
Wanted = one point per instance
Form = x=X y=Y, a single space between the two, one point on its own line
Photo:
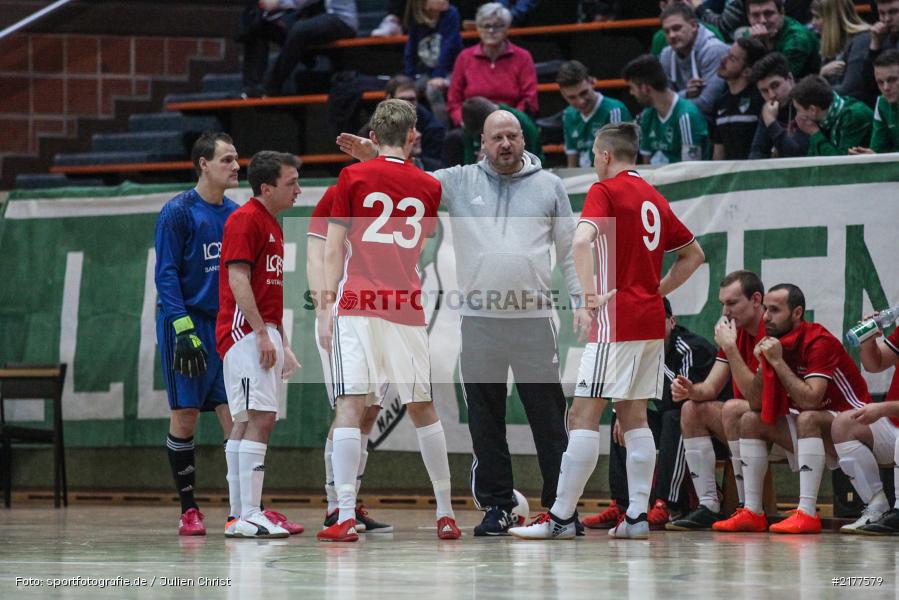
x=834 y=123
x=768 y=23
x=885 y=133
x=587 y=112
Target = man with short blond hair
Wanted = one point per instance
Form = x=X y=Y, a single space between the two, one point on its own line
x=373 y=322
x=625 y=229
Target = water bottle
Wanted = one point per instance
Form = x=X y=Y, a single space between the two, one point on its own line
x=866 y=329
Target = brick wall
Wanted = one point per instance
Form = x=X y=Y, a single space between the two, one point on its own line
x=48 y=81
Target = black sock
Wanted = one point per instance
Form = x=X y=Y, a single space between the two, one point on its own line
x=181 y=459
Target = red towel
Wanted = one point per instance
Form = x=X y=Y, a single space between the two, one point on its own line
x=775 y=402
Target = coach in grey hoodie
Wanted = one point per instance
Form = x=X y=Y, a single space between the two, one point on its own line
x=505 y=226
x=508 y=215
x=693 y=55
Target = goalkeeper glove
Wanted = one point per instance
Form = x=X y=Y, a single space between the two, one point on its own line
x=190 y=355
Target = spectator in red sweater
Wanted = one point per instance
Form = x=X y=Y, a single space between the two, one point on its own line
x=495 y=68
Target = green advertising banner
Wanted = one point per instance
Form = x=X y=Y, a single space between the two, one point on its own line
x=77 y=287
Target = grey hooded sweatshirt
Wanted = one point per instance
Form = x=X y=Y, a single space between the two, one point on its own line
x=702 y=63
x=504 y=228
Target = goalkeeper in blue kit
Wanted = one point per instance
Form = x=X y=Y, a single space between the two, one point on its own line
x=188 y=244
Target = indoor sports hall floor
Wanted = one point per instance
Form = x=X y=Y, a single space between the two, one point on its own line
x=140 y=542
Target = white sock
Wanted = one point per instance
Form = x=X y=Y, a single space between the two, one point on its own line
x=363 y=459
x=432 y=442
x=641 y=464
x=859 y=464
x=811 y=466
x=700 y=454
x=345 y=459
x=737 y=465
x=754 y=454
x=578 y=463
x=232 y=459
x=330 y=492
x=252 y=473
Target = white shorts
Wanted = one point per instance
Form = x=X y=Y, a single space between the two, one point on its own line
x=622 y=370
x=832 y=462
x=368 y=351
x=885 y=434
x=370 y=400
x=247 y=385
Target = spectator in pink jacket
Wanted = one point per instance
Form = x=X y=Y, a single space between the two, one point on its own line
x=495 y=68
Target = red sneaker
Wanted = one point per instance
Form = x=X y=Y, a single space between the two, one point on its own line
x=658 y=515
x=798 y=522
x=447 y=529
x=339 y=532
x=604 y=520
x=742 y=520
x=192 y=523
x=281 y=520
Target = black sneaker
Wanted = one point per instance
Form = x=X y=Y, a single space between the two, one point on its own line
x=370 y=525
x=497 y=521
x=888 y=524
x=700 y=519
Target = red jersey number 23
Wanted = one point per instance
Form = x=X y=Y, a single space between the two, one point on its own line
x=374 y=233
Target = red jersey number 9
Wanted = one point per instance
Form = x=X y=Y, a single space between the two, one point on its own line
x=653 y=228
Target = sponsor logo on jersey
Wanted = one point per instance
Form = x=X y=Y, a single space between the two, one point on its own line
x=212 y=251
x=271 y=238
x=477 y=201
x=274 y=264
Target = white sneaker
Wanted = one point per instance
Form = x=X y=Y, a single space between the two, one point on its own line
x=637 y=530
x=869 y=515
x=390 y=25
x=545 y=527
x=257 y=526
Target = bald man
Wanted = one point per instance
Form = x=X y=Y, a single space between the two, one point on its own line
x=507 y=216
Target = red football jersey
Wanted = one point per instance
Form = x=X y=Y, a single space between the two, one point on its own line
x=629 y=255
x=892 y=343
x=318 y=222
x=253 y=236
x=389 y=207
x=817 y=353
x=745 y=345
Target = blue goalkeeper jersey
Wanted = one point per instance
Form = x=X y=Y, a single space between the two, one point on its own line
x=188 y=246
